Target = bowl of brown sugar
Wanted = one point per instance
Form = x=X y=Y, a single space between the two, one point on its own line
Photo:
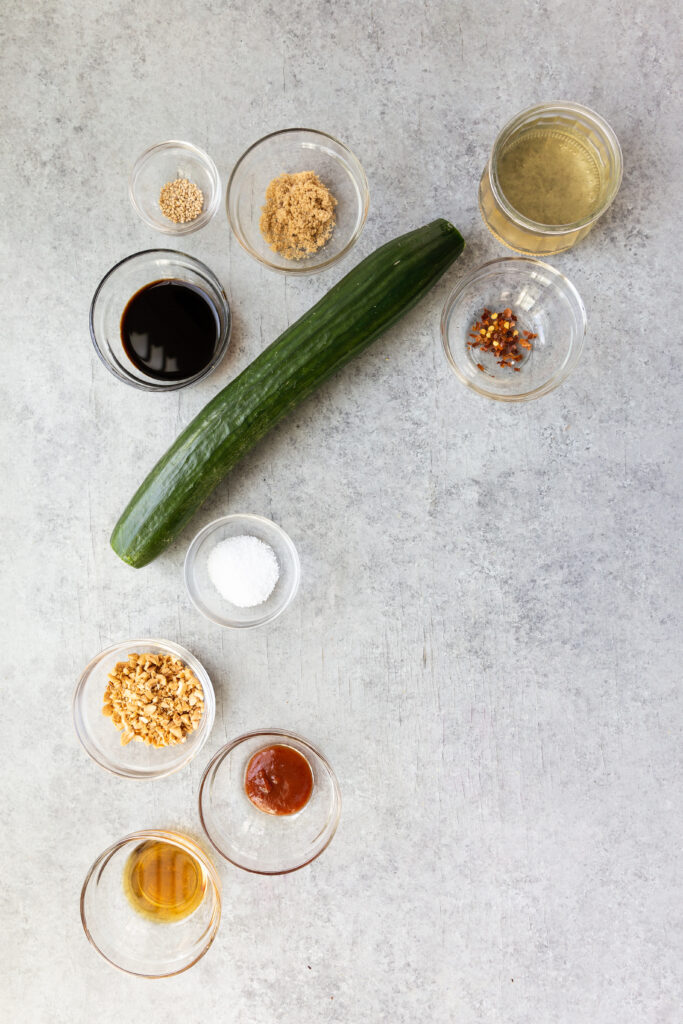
x=175 y=187
x=297 y=200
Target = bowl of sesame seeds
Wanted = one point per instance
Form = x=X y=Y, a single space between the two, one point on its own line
x=175 y=187
x=513 y=329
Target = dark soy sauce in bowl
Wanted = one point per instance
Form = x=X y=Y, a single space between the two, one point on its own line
x=170 y=330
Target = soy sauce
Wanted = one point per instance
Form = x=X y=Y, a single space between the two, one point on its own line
x=170 y=330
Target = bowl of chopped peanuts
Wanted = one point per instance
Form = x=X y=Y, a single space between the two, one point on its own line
x=144 y=708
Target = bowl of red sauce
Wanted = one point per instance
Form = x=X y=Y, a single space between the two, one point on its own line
x=269 y=802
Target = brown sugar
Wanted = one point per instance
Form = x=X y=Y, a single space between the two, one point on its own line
x=298 y=217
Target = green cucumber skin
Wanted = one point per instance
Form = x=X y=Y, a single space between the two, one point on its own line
x=360 y=307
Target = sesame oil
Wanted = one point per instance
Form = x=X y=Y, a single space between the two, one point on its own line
x=163 y=882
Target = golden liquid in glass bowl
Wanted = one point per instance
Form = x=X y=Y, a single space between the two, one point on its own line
x=163 y=882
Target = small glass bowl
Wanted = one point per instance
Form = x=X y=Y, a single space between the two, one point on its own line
x=165 y=162
x=510 y=226
x=102 y=740
x=210 y=602
x=119 y=285
x=266 y=844
x=289 y=152
x=545 y=302
x=132 y=942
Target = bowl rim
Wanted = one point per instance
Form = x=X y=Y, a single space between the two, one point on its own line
x=575 y=348
x=206 y=722
x=285 y=734
x=365 y=196
x=221 y=348
x=211 y=208
x=215 y=524
x=190 y=846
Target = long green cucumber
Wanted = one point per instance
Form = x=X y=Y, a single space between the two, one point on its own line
x=372 y=297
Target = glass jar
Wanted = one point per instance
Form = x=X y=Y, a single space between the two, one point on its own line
x=593 y=135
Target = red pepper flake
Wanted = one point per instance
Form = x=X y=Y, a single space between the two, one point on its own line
x=497 y=333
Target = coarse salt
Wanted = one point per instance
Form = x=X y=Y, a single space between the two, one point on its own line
x=244 y=570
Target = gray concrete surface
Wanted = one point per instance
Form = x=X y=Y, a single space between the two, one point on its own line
x=487 y=636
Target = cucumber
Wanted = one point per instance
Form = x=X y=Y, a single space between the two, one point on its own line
x=372 y=297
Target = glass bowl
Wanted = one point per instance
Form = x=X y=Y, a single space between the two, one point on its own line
x=102 y=740
x=210 y=602
x=289 y=152
x=266 y=844
x=165 y=162
x=119 y=285
x=511 y=227
x=545 y=302
x=134 y=943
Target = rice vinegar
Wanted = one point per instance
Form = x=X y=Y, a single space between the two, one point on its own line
x=554 y=169
x=551 y=176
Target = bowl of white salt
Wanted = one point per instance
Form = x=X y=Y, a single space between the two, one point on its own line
x=242 y=571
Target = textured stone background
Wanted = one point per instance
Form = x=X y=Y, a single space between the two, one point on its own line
x=486 y=639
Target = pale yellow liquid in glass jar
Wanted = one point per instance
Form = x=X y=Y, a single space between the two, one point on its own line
x=547 y=174
x=550 y=176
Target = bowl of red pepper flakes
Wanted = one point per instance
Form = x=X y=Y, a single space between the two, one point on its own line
x=513 y=329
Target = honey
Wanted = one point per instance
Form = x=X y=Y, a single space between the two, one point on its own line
x=163 y=881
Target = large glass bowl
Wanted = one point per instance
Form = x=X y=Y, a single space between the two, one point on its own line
x=102 y=740
x=545 y=302
x=119 y=285
x=134 y=943
x=264 y=843
x=289 y=152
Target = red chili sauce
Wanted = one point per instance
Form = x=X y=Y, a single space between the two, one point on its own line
x=278 y=780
